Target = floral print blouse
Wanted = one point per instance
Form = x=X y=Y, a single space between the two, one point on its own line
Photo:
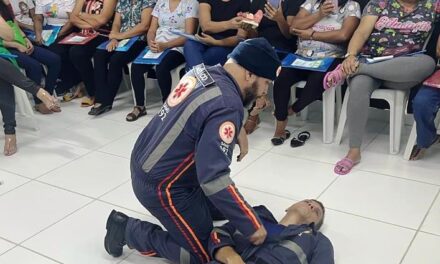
x=397 y=32
x=131 y=12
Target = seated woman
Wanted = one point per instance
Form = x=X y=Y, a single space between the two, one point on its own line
x=323 y=31
x=30 y=58
x=91 y=16
x=275 y=28
x=56 y=13
x=11 y=75
x=426 y=105
x=167 y=15
x=403 y=26
x=24 y=12
x=132 y=19
x=221 y=32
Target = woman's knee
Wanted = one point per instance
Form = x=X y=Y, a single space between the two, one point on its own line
x=422 y=103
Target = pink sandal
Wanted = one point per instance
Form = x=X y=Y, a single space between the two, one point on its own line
x=344 y=166
x=334 y=78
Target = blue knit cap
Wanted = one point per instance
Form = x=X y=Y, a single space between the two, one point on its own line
x=257 y=56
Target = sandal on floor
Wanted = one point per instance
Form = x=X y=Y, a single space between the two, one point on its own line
x=344 y=166
x=276 y=141
x=301 y=140
x=251 y=124
x=87 y=101
x=334 y=78
x=69 y=96
x=136 y=113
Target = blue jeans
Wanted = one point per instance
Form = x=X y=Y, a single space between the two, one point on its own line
x=196 y=53
x=32 y=65
x=426 y=105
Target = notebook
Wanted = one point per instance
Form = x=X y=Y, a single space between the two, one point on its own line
x=49 y=34
x=149 y=57
x=298 y=62
x=123 y=45
x=78 y=39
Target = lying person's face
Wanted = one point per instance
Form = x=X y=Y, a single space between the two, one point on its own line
x=308 y=211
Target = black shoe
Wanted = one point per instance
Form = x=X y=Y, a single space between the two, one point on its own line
x=96 y=111
x=115 y=238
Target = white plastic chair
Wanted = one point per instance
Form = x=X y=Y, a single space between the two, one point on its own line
x=328 y=109
x=24 y=108
x=413 y=136
x=175 y=78
x=397 y=99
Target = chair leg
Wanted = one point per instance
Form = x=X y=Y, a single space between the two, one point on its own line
x=411 y=142
x=338 y=102
x=399 y=111
x=328 y=115
x=342 y=119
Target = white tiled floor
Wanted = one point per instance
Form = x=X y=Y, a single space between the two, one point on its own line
x=57 y=191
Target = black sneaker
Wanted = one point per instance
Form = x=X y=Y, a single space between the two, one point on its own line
x=96 y=111
x=115 y=238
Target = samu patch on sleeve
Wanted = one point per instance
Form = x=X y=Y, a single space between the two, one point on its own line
x=227 y=132
x=183 y=89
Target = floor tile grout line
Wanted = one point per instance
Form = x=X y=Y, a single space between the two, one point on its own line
x=420 y=227
x=328 y=187
x=245 y=167
x=38 y=253
x=9 y=250
x=430 y=233
x=329 y=208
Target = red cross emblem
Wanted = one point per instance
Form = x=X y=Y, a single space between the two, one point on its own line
x=182 y=90
x=227 y=132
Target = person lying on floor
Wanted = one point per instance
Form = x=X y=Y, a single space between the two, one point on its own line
x=293 y=240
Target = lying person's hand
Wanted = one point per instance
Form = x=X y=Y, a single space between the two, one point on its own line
x=258 y=237
x=235 y=260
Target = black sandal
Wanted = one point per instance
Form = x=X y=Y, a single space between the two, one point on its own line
x=133 y=117
x=96 y=111
x=301 y=140
x=276 y=141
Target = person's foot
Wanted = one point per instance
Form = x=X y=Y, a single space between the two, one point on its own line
x=138 y=111
x=99 y=109
x=115 y=238
x=345 y=165
x=50 y=102
x=10 y=145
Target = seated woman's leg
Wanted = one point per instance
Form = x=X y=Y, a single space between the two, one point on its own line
x=169 y=63
x=313 y=89
x=281 y=97
x=426 y=105
x=69 y=75
x=117 y=63
x=100 y=60
x=193 y=52
x=403 y=69
x=138 y=83
x=53 y=64
x=81 y=57
x=7 y=109
x=215 y=55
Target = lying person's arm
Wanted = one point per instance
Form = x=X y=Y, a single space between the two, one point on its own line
x=228 y=255
x=323 y=252
x=221 y=244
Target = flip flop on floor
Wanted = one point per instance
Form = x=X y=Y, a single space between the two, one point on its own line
x=334 y=78
x=276 y=141
x=344 y=166
x=301 y=140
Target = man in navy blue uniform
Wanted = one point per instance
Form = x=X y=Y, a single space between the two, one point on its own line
x=293 y=240
x=180 y=162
